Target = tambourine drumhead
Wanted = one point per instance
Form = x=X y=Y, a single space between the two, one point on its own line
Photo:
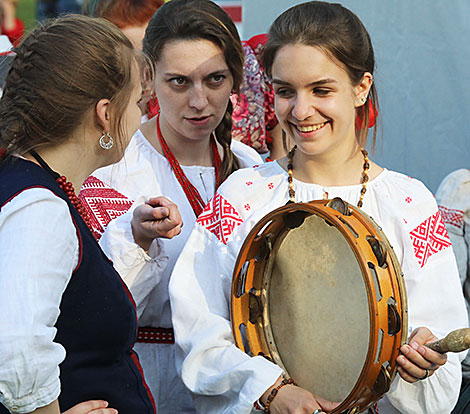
x=318 y=309
x=320 y=292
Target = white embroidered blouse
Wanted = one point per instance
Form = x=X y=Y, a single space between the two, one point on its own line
x=225 y=380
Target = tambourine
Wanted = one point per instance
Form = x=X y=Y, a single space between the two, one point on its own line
x=318 y=290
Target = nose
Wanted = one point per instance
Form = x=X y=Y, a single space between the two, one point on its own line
x=198 y=97
x=303 y=107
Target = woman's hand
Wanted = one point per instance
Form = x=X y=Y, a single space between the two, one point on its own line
x=91 y=407
x=291 y=399
x=158 y=217
x=419 y=362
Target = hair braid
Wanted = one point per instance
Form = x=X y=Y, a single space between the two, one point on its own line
x=15 y=99
x=223 y=133
x=60 y=71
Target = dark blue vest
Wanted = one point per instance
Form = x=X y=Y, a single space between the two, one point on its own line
x=97 y=324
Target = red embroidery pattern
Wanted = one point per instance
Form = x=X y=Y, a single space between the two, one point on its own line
x=220 y=218
x=429 y=238
x=247 y=207
x=102 y=203
x=270 y=186
x=408 y=200
x=249 y=183
x=452 y=216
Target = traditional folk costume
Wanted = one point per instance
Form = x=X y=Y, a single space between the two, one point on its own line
x=68 y=321
x=222 y=378
x=253 y=107
x=453 y=197
x=113 y=190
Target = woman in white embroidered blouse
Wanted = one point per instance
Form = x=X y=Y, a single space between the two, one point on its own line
x=183 y=153
x=321 y=61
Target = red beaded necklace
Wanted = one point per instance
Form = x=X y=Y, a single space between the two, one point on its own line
x=193 y=196
x=67 y=187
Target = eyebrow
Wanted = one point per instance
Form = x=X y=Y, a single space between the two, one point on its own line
x=179 y=75
x=316 y=83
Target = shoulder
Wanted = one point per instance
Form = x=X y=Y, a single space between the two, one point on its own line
x=247 y=155
x=453 y=197
x=250 y=179
x=247 y=195
x=34 y=199
x=455 y=189
x=251 y=190
x=39 y=212
x=403 y=188
x=402 y=201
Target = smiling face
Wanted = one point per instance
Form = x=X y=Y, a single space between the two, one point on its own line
x=193 y=85
x=315 y=100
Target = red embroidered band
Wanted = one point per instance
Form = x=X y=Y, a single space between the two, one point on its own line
x=151 y=335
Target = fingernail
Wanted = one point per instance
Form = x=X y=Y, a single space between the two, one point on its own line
x=422 y=350
x=414 y=345
x=405 y=349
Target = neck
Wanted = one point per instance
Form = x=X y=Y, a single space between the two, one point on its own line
x=329 y=169
x=186 y=151
x=69 y=160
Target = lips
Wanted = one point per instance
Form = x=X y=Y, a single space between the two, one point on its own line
x=198 y=120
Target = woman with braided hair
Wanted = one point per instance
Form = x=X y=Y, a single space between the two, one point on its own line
x=70 y=106
x=183 y=153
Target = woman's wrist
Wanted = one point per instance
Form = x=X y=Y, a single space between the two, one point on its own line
x=272 y=392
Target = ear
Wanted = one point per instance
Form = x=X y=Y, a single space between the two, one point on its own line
x=361 y=90
x=102 y=110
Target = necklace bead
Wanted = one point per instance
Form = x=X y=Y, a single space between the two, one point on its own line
x=69 y=191
x=364 y=181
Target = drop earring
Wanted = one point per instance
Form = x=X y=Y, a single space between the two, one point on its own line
x=106 y=145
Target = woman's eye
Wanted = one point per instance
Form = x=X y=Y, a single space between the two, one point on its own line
x=283 y=93
x=321 y=91
x=178 y=81
x=217 y=79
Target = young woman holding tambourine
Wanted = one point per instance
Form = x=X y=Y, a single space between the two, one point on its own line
x=321 y=61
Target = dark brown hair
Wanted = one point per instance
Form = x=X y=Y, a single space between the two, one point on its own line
x=338 y=32
x=60 y=72
x=123 y=13
x=201 y=19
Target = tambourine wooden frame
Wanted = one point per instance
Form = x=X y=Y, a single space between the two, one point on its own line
x=251 y=280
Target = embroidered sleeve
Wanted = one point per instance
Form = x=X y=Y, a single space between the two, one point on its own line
x=221 y=376
x=220 y=218
x=435 y=298
x=102 y=203
x=429 y=238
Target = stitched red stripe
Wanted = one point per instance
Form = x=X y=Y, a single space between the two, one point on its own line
x=151 y=335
